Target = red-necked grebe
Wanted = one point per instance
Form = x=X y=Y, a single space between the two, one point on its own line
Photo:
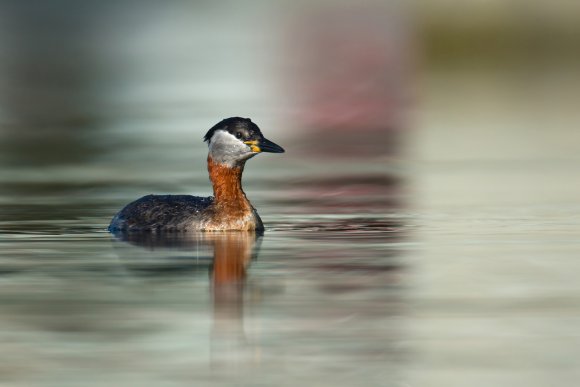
x=231 y=142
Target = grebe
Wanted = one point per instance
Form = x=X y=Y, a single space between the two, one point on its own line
x=231 y=143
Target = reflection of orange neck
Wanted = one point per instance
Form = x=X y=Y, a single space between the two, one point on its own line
x=227 y=184
x=232 y=253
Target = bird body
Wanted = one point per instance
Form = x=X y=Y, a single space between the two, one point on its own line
x=231 y=143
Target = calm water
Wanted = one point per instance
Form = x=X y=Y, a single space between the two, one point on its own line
x=321 y=296
x=451 y=260
x=408 y=273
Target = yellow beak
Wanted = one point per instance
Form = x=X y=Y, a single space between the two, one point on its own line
x=253 y=146
x=264 y=145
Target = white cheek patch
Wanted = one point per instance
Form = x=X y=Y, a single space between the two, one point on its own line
x=225 y=148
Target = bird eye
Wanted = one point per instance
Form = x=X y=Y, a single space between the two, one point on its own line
x=239 y=135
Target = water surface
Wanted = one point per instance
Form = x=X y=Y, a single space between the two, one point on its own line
x=442 y=253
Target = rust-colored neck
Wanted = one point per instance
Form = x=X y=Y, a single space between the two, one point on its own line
x=227 y=183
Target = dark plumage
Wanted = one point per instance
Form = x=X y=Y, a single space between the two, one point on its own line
x=160 y=212
x=244 y=126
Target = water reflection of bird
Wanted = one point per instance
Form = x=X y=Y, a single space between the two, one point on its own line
x=225 y=254
x=231 y=142
x=232 y=254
